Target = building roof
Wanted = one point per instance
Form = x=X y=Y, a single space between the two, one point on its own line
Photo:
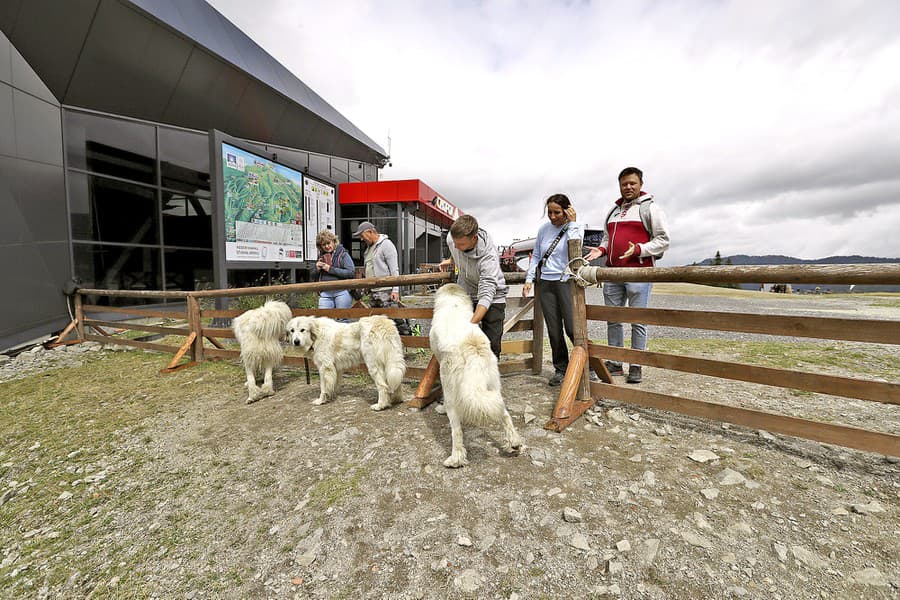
x=179 y=62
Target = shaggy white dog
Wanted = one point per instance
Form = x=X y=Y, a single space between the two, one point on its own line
x=259 y=332
x=335 y=347
x=470 y=376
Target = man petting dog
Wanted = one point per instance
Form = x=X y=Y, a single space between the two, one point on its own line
x=475 y=255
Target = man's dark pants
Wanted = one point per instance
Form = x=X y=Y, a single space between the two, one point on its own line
x=492 y=325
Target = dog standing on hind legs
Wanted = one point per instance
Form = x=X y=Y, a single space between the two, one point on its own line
x=470 y=375
x=259 y=332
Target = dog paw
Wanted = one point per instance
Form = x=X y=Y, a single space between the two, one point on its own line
x=319 y=401
x=266 y=391
x=379 y=406
x=513 y=448
x=454 y=462
x=253 y=398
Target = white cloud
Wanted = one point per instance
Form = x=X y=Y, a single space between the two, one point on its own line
x=762 y=127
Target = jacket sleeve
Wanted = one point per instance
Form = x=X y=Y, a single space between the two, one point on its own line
x=390 y=258
x=491 y=277
x=659 y=234
x=346 y=270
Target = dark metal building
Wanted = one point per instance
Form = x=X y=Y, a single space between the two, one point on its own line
x=105 y=107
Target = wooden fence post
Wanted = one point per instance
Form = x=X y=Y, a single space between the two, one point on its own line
x=196 y=325
x=579 y=325
x=79 y=315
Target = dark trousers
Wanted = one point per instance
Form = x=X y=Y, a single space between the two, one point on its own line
x=556 y=304
x=492 y=326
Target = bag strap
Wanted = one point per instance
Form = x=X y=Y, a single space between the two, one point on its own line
x=553 y=245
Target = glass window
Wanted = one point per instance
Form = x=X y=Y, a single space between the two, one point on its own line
x=319 y=165
x=339 y=176
x=184 y=160
x=371 y=173
x=187 y=220
x=118 y=268
x=189 y=269
x=106 y=210
x=111 y=146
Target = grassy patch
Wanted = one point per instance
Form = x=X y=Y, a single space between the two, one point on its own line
x=336 y=489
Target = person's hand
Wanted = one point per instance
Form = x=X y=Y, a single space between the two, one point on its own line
x=320 y=265
x=570 y=214
x=526 y=289
x=628 y=252
x=445 y=263
x=395 y=296
x=595 y=252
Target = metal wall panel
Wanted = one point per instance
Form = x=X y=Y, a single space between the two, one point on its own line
x=7 y=123
x=25 y=79
x=5 y=67
x=38 y=129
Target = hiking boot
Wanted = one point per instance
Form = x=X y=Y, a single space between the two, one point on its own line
x=594 y=378
x=613 y=368
x=556 y=379
x=634 y=374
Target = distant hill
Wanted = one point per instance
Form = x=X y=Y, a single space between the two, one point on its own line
x=778 y=259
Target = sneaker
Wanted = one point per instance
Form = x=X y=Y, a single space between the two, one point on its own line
x=634 y=374
x=556 y=379
x=594 y=378
x=613 y=368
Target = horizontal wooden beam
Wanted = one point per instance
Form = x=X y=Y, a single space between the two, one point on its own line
x=137 y=313
x=857 y=330
x=863 y=389
x=879 y=273
x=841 y=435
x=337 y=313
x=136 y=344
x=139 y=327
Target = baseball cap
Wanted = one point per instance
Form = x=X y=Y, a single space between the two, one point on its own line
x=364 y=226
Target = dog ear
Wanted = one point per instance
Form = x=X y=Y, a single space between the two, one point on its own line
x=313 y=329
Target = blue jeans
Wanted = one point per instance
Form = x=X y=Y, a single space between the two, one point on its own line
x=638 y=296
x=335 y=299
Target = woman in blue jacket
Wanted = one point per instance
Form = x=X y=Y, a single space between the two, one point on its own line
x=334 y=263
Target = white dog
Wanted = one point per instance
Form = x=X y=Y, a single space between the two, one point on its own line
x=259 y=331
x=470 y=375
x=335 y=347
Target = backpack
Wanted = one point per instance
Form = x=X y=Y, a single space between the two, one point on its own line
x=644 y=211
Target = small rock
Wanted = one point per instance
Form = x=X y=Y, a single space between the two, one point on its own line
x=463 y=541
x=529 y=418
x=702 y=456
x=758 y=505
x=553 y=491
x=696 y=540
x=649 y=550
x=650 y=478
x=636 y=458
x=869 y=576
x=710 y=493
x=737 y=591
x=570 y=515
x=740 y=529
x=623 y=546
x=64 y=496
x=766 y=435
x=468 y=581
x=872 y=507
x=730 y=477
x=840 y=511
x=617 y=415
x=614 y=567
x=808 y=558
x=780 y=551
x=580 y=541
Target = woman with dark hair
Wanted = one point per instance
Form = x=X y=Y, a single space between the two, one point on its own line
x=334 y=263
x=549 y=259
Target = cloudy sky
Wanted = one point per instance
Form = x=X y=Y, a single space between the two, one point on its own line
x=762 y=126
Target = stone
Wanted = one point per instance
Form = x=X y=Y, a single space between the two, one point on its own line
x=570 y=515
x=614 y=567
x=780 y=551
x=740 y=529
x=65 y=496
x=730 y=477
x=468 y=581
x=649 y=478
x=840 y=511
x=616 y=414
x=808 y=557
x=710 y=493
x=648 y=551
x=529 y=418
x=703 y=456
x=766 y=435
x=737 y=591
x=864 y=509
x=623 y=546
x=463 y=540
x=580 y=541
x=869 y=576
x=696 y=540
x=636 y=458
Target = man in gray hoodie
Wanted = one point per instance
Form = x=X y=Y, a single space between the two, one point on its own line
x=381 y=261
x=475 y=255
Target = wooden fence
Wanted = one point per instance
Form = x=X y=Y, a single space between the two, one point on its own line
x=859 y=330
x=201 y=341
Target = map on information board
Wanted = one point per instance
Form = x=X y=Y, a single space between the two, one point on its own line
x=263 y=208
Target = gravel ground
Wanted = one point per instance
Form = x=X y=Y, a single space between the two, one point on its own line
x=207 y=497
